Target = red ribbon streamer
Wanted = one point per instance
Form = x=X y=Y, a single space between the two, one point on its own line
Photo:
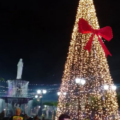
x=105 y=32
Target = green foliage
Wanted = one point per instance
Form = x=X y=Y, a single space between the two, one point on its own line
x=50 y=103
x=2 y=79
x=55 y=104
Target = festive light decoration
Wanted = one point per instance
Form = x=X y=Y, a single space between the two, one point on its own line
x=89 y=101
x=64 y=93
x=58 y=93
x=106 y=87
x=105 y=32
x=113 y=87
x=80 y=81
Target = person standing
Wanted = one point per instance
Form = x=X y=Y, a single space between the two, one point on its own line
x=17 y=115
x=2 y=115
x=64 y=117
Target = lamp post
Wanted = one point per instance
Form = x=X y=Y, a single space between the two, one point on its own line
x=81 y=82
x=59 y=93
x=39 y=96
x=109 y=87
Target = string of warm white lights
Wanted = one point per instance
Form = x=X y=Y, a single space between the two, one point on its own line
x=94 y=98
x=31 y=92
x=33 y=84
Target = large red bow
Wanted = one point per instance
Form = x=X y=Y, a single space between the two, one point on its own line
x=105 y=32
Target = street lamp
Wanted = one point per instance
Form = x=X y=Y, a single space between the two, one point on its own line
x=44 y=91
x=41 y=92
x=113 y=87
x=80 y=81
x=77 y=80
x=58 y=93
x=106 y=87
x=83 y=82
x=40 y=95
x=38 y=91
x=36 y=96
x=45 y=106
x=64 y=93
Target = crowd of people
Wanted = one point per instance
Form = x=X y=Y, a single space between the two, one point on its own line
x=18 y=116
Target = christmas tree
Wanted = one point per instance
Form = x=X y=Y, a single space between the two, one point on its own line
x=87 y=91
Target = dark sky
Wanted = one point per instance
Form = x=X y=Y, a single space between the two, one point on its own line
x=40 y=32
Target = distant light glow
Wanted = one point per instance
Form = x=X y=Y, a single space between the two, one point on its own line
x=106 y=87
x=45 y=106
x=80 y=81
x=58 y=93
x=113 y=87
x=38 y=91
x=44 y=91
x=64 y=93
x=36 y=96
x=77 y=80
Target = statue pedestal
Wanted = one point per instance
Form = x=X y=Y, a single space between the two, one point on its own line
x=17 y=96
x=17 y=88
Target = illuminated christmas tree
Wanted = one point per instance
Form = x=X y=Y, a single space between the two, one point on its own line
x=87 y=91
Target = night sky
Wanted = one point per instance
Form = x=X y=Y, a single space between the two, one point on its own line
x=40 y=32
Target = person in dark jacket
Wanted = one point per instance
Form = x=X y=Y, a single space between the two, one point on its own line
x=2 y=115
x=36 y=118
x=26 y=117
x=64 y=117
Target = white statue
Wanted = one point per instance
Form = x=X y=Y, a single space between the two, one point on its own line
x=19 y=69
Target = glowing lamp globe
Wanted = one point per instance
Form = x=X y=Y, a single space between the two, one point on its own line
x=64 y=93
x=44 y=91
x=113 y=87
x=106 y=87
x=77 y=80
x=45 y=106
x=36 y=96
x=58 y=93
x=38 y=91
x=82 y=82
